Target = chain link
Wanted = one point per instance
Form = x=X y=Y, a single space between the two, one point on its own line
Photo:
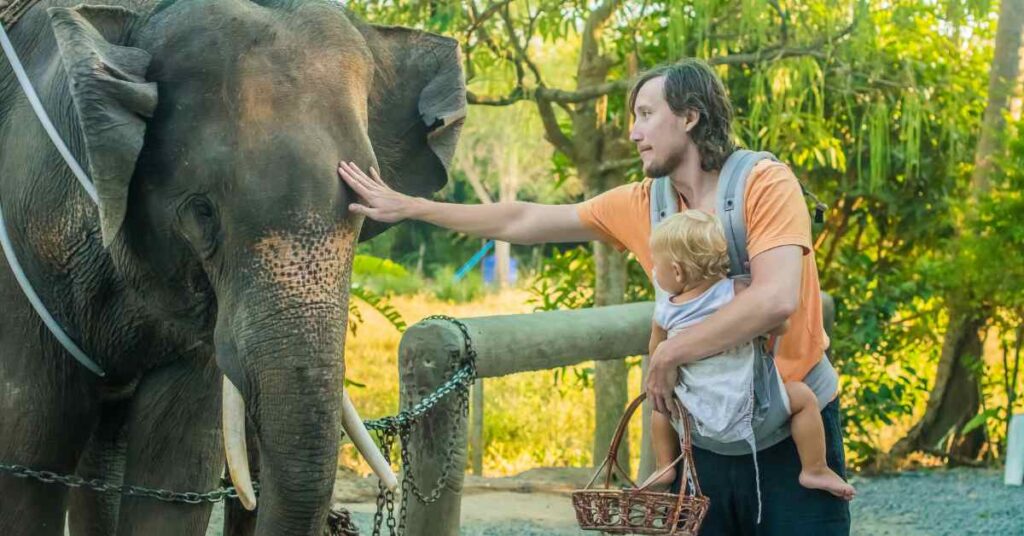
x=75 y=481
x=388 y=430
x=400 y=426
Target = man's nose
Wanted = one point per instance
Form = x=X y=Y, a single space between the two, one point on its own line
x=634 y=135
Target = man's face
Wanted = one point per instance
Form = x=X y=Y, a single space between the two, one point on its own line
x=660 y=135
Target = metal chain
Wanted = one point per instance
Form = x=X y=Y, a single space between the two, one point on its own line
x=389 y=429
x=400 y=426
x=75 y=481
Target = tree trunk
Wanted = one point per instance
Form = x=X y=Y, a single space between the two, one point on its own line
x=509 y=182
x=476 y=428
x=955 y=397
x=648 y=462
x=1003 y=81
x=610 y=377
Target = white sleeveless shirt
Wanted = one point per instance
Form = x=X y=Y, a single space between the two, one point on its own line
x=717 y=391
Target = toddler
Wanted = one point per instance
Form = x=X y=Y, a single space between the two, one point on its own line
x=691 y=262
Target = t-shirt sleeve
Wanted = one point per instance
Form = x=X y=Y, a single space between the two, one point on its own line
x=776 y=212
x=612 y=213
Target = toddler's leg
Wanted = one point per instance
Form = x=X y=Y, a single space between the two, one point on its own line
x=665 y=442
x=809 y=436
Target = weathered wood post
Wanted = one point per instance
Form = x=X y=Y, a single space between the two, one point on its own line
x=432 y=350
x=476 y=428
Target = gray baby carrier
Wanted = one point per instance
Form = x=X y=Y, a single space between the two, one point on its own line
x=729 y=207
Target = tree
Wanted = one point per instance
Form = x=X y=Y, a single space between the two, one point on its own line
x=588 y=123
x=955 y=398
x=874 y=106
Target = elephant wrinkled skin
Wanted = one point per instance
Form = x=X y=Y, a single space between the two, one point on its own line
x=221 y=246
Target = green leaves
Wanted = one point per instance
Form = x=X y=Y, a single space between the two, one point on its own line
x=980 y=420
x=377 y=303
x=366 y=267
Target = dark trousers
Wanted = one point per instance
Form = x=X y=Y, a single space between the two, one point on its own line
x=787 y=507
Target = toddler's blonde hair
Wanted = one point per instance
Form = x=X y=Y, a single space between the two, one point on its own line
x=696 y=241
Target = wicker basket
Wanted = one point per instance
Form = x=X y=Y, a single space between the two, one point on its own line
x=638 y=511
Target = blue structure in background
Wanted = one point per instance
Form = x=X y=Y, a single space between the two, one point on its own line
x=490 y=273
x=473 y=261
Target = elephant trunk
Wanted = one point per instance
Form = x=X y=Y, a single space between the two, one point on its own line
x=294 y=400
x=280 y=340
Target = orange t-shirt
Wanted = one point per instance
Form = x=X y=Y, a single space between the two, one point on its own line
x=776 y=215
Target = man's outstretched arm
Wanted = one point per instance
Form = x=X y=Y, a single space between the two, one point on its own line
x=515 y=222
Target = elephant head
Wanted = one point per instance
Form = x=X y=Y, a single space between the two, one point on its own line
x=212 y=132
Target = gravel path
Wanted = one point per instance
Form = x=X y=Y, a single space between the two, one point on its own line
x=959 y=501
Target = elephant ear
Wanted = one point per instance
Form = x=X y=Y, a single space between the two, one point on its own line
x=111 y=96
x=417 y=107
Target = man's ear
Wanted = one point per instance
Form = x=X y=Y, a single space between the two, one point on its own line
x=690 y=119
x=111 y=97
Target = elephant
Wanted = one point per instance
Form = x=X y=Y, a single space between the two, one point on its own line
x=215 y=267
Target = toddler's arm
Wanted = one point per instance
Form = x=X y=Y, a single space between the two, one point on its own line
x=657 y=336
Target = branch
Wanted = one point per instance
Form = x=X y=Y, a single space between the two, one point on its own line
x=592 y=64
x=769 y=54
x=552 y=131
x=480 y=18
x=784 y=16
x=957 y=459
x=485 y=37
x=562 y=96
x=521 y=54
x=595 y=22
x=616 y=165
x=513 y=97
x=478 y=186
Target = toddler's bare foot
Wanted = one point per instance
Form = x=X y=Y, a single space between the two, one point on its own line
x=827 y=480
x=660 y=482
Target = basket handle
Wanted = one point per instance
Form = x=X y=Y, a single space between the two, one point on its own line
x=611 y=461
x=685 y=451
x=689 y=472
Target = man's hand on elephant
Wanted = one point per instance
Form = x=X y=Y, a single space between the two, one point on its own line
x=379 y=201
x=662 y=376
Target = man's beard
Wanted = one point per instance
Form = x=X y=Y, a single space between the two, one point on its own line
x=663 y=169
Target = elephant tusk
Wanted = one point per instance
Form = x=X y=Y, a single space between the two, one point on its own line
x=234 y=444
x=360 y=437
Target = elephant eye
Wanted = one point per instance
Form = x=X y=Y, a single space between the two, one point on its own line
x=202 y=208
x=200 y=225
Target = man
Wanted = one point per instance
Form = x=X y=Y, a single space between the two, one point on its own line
x=682 y=130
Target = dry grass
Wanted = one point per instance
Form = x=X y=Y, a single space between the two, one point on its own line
x=529 y=420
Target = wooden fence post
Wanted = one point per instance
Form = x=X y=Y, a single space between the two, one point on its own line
x=432 y=350
x=476 y=428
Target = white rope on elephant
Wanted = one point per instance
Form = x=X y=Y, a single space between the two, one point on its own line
x=37 y=107
x=37 y=304
x=5 y=240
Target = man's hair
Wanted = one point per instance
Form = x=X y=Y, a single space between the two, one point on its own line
x=691 y=84
x=695 y=240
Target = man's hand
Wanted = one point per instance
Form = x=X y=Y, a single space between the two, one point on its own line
x=662 y=376
x=379 y=201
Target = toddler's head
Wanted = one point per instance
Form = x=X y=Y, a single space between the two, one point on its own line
x=689 y=248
